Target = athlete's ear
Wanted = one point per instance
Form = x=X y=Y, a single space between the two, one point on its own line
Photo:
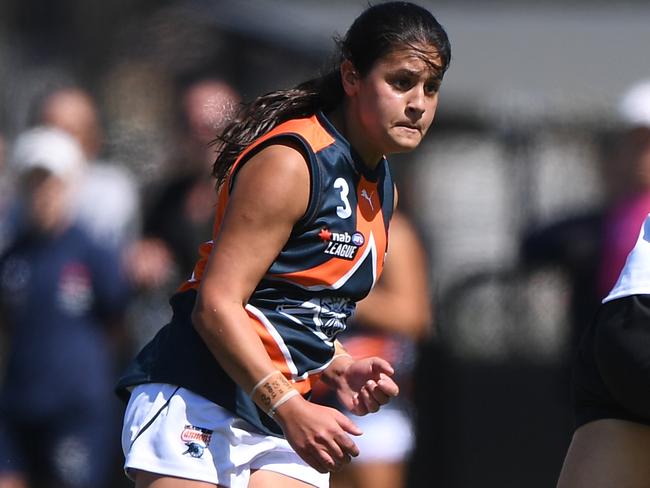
x=349 y=77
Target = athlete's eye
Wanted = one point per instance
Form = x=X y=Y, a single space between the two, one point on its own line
x=401 y=83
x=432 y=87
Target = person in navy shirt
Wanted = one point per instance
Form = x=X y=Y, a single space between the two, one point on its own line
x=59 y=292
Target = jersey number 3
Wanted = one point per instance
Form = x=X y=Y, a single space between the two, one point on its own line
x=343 y=211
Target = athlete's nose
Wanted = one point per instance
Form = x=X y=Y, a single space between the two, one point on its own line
x=415 y=105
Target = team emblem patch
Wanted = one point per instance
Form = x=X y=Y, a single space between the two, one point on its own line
x=196 y=439
x=342 y=244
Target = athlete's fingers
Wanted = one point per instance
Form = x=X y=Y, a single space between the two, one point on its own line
x=341 y=462
x=345 y=442
x=314 y=461
x=327 y=462
x=355 y=401
x=380 y=365
x=321 y=460
x=324 y=457
x=367 y=400
x=346 y=424
x=383 y=390
x=378 y=395
x=346 y=459
x=388 y=386
x=336 y=452
x=347 y=445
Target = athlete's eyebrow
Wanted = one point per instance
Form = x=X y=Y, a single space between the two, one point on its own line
x=407 y=72
x=417 y=73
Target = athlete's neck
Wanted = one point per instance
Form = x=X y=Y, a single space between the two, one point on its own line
x=347 y=126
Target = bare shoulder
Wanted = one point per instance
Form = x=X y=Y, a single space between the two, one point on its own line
x=276 y=178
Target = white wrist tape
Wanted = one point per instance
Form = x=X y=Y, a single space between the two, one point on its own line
x=271 y=391
x=261 y=382
x=283 y=399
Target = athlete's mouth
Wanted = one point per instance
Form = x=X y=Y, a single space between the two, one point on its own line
x=409 y=126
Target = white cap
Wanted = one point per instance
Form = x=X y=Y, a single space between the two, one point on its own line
x=634 y=107
x=50 y=149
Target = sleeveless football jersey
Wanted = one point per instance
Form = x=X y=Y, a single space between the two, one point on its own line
x=332 y=259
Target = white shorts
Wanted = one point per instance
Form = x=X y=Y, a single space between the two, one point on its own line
x=172 y=431
x=387 y=436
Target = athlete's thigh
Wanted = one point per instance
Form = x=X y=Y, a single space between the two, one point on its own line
x=144 y=479
x=263 y=478
x=377 y=474
x=608 y=453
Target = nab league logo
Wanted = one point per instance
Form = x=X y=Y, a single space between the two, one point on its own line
x=342 y=244
x=196 y=439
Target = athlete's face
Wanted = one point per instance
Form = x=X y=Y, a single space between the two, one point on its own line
x=396 y=101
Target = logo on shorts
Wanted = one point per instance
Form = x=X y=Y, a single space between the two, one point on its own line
x=342 y=244
x=196 y=439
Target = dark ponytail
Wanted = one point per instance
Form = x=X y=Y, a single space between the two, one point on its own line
x=379 y=30
x=263 y=114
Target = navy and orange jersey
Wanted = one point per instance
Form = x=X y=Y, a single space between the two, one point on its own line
x=332 y=259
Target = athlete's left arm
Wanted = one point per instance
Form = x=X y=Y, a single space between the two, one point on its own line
x=400 y=303
x=362 y=386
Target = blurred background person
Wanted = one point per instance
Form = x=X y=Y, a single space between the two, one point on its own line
x=591 y=247
x=388 y=323
x=611 y=441
x=6 y=190
x=625 y=215
x=180 y=212
x=109 y=202
x=61 y=299
x=179 y=204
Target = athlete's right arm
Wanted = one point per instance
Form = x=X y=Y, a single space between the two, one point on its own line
x=270 y=195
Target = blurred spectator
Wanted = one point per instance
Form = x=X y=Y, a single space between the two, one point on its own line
x=388 y=323
x=108 y=202
x=592 y=248
x=61 y=297
x=6 y=191
x=180 y=215
x=623 y=219
x=180 y=205
x=574 y=246
x=108 y=199
x=611 y=441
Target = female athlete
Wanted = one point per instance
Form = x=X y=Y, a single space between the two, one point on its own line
x=221 y=395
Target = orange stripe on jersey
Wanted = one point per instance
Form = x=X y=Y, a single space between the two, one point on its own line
x=206 y=248
x=310 y=129
x=370 y=222
x=305 y=386
x=316 y=136
x=371 y=219
x=272 y=348
x=277 y=356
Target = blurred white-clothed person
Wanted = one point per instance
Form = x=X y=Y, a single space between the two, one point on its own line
x=108 y=201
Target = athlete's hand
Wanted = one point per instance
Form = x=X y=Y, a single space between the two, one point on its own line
x=318 y=434
x=365 y=385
